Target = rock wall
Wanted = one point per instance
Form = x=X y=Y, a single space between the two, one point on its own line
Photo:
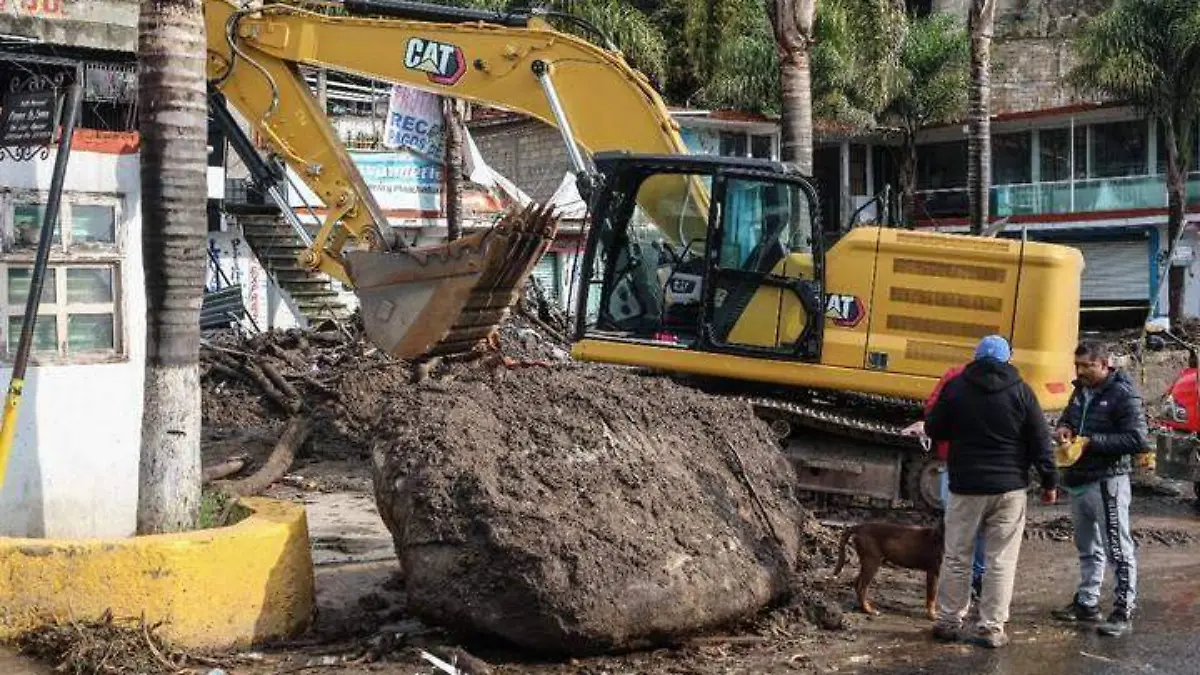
x=1033 y=52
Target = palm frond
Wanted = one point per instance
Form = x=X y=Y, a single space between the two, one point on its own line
x=1142 y=52
x=633 y=32
x=931 y=87
x=746 y=75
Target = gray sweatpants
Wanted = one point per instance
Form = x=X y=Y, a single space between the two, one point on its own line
x=1100 y=512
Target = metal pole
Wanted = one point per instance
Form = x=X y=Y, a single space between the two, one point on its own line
x=8 y=426
x=541 y=70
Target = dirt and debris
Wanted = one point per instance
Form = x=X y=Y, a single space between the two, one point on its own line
x=331 y=378
x=1061 y=529
x=335 y=379
x=106 y=646
x=582 y=509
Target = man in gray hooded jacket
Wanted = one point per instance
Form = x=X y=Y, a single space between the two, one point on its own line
x=1106 y=409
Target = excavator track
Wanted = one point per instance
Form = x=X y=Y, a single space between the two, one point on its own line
x=828 y=419
x=876 y=432
x=793 y=412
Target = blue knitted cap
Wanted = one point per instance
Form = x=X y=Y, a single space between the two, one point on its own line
x=993 y=347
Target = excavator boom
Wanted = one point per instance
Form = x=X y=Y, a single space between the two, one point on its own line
x=444 y=299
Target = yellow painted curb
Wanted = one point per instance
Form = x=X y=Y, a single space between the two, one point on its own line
x=219 y=588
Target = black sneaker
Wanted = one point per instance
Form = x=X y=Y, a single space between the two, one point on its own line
x=1118 y=624
x=1076 y=612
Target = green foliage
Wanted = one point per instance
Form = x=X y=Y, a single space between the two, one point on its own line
x=1146 y=53
x=633 y=32
x=219 y=509
x=856 y=59
x=930 y=85
x=744 y=71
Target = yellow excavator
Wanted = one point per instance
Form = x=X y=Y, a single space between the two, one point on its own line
x=715 y=269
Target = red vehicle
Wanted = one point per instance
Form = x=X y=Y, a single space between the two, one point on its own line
x=1176 y=427
x=1179 y=410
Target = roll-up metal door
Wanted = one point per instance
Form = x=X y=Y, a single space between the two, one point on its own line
x=1115 y=270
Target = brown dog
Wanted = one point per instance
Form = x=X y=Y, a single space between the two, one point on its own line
x=908 y=546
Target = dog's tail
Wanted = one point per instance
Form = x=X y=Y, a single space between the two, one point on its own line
x=846 y=534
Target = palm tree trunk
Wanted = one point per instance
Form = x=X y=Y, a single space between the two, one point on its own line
x=173 y=126
x=981 y=20
x=793 y=34
x=797 y=131
x=1176 y=201
x=908 y=180
x=451 y=122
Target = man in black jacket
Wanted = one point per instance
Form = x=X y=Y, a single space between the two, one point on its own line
x=1106 y=410
x=996 y=431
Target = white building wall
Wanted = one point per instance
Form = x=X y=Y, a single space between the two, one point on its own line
x=73 y=471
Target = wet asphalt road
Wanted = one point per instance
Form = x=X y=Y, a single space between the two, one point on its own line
x=1166 y=639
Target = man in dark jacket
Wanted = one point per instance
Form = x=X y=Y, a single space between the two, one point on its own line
x=996 y=431
x=1106 y=410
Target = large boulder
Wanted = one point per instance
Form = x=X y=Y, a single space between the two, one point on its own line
x=582 y=509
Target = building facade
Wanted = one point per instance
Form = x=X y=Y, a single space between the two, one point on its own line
x=73 y=471
x=1066 y=168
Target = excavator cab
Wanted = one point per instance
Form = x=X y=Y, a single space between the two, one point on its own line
x=703 y=253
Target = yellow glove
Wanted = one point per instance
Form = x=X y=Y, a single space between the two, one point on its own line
x=1068 y=453
x=1145 y=461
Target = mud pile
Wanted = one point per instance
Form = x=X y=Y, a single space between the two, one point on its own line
x=334 y=377
x=329 y=375
x=579 y=509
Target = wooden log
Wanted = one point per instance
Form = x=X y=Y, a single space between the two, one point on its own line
x=284 y=386
x=277 y=465
x=264 y=383
x=223 y=470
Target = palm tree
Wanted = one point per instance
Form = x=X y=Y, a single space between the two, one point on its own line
x=172 y=111
x=932 y=86
x=854 y=62
x=793 y=21
x=981 y=20
x=1147 y=53
x=452 y=128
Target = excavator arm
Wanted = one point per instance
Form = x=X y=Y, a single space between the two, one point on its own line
x=514 y=61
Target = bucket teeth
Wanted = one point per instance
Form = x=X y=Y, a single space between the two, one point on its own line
x=449 y=299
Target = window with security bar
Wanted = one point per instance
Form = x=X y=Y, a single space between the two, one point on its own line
x=79 y=318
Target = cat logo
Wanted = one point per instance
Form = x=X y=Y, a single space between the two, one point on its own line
x=846 y=311
x=445 y=64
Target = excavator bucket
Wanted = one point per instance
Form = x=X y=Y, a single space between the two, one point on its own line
x=447 y=300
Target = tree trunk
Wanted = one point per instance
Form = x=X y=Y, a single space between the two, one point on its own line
x=981 y=21
x=908 y=180
x=793 y=35
x=452 y=123
x=172 y=110
x=1176 y=201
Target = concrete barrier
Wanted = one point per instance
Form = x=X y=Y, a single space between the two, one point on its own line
x=220 y=588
